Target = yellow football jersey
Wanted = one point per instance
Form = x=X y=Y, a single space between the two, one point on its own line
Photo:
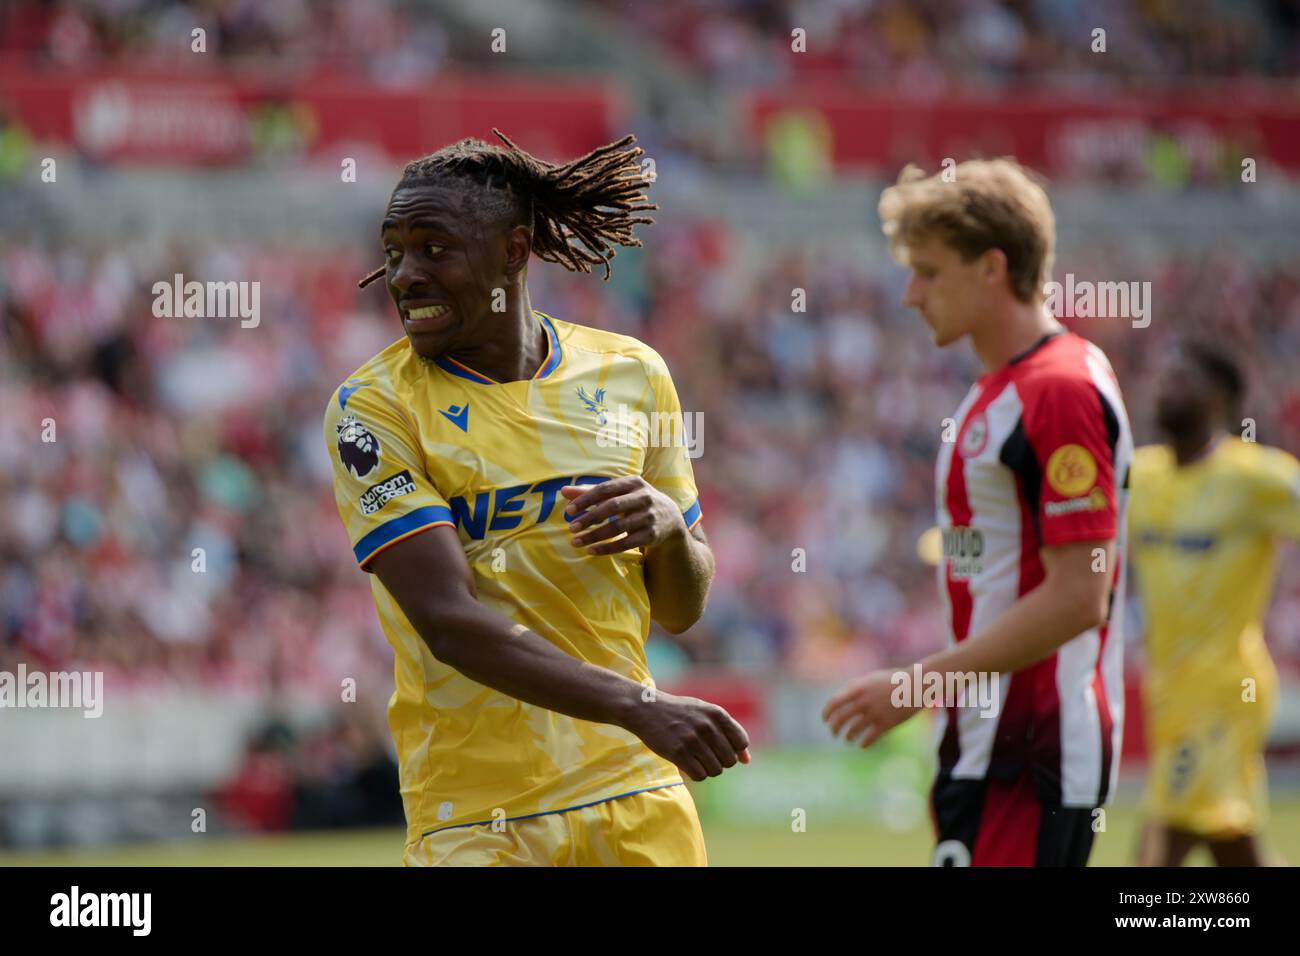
x=417 y=443
x=1203 y=541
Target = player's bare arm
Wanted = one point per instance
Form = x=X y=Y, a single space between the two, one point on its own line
x=678 y=573
x=1071 y=599
x=430 y=579
x=629 y=512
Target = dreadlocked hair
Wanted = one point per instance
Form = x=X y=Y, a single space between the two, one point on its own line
x=577 y=212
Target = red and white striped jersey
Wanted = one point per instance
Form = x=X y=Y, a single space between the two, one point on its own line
x=1040 y=457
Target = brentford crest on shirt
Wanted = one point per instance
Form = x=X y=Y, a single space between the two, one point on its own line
x=975 y=437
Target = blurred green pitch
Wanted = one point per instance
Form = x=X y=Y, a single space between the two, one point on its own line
x=775 y=845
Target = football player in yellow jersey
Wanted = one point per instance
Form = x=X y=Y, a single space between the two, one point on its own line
x=523 y=522
x=1206 y=511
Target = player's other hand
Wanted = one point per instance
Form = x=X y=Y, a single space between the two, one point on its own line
x=597 y=513
x=864 y=709
x=701 y=738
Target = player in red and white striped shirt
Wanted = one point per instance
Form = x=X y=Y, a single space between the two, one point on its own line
x=1031 y=493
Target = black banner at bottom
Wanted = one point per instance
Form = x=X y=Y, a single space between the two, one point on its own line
x=335 y=906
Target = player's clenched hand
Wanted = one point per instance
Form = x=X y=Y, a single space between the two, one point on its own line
x=701 y=738
x=864 y=708
x=597 y=513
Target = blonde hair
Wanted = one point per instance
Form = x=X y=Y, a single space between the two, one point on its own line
x=987 y=204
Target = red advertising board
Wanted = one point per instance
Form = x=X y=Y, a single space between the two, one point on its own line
x=1060 y=134
x=131 y=117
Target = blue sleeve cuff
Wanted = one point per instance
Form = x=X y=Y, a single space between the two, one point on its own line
x=399 y=528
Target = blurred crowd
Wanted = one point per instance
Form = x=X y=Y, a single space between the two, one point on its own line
x=925 y=45
x=933 y=45
x=336 y=774
x=379 y=39
x=165 y=510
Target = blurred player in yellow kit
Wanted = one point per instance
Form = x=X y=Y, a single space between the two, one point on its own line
x=523 y=526
x=1206 y=511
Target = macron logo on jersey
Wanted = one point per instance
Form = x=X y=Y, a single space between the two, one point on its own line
x=458 y=415
x=346 y=391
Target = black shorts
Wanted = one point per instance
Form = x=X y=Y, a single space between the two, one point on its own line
x=1000 y=823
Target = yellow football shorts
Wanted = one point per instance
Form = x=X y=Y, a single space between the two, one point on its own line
x=652 y=828
x=1207 y=777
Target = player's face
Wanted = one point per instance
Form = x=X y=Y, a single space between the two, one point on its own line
x=945 y=290
x=442 y=267
x=1183 y=396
